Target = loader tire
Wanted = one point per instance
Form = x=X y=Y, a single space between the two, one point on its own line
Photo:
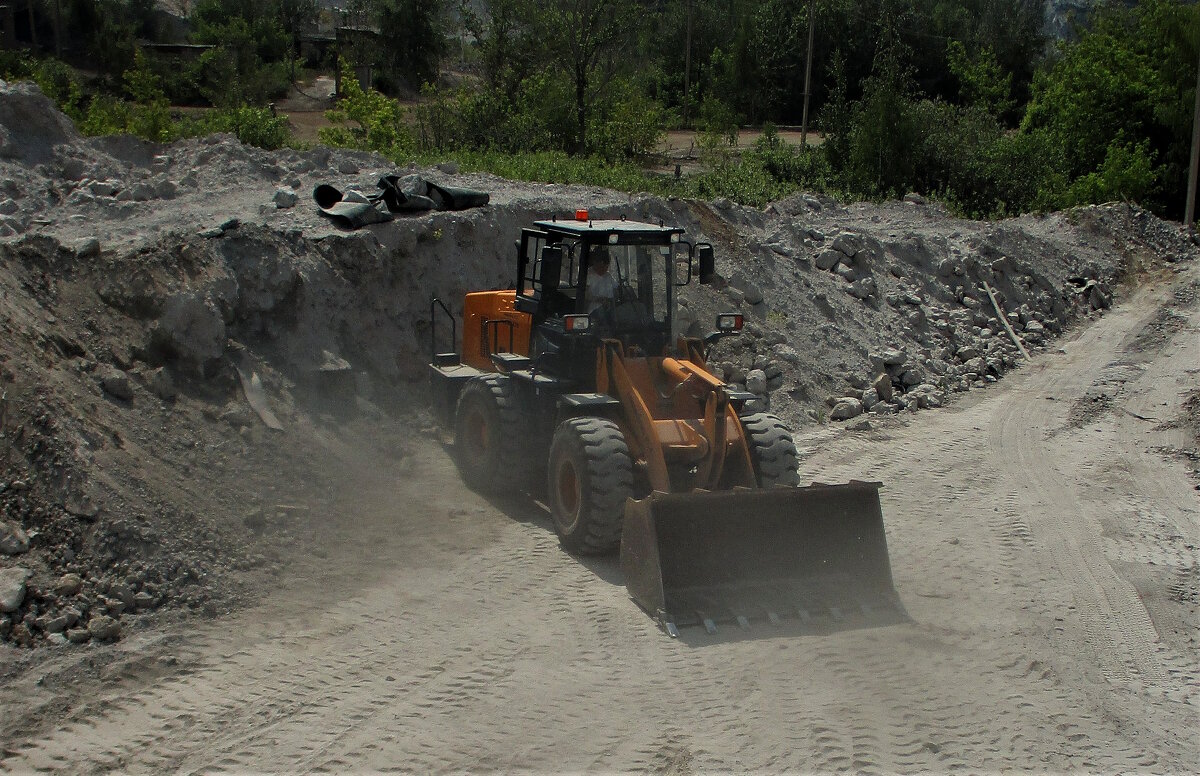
x=772 y=450
x=590 y=476
x=487 y=428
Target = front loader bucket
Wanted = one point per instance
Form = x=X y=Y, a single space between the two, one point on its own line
x=815 y=555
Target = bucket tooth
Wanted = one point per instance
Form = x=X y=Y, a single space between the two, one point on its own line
x=836 y=613
x=669 y=626
x=709 y=625
x=743 y=623
x=772 y=617
x=803 y=614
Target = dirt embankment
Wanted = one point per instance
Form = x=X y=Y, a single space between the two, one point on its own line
x=148 y=291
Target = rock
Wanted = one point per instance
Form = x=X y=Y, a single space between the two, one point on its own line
x=103 y=628
x=750 y=292
x=787 y=353
x=734 y=295
x=846 y=408
x=450 y=168
x=914 y=198
x=79 y=636
x=847 y=243
x=859 y=424
x=161 y=384
x=86 y=248
x=143 y=600
x=165 y=189
x=141 y=192
x=53 y=624
x=123 y=593
x=966 y=353
x=846 y=272
x=756 y=382
x=192 y=328
x=68 y=585
x=104 y=188
x=116 y=383
x=869 y=398
x=284 y=198
x=13 y=539
x=894 y=357
x=1035 y=331
x=12 y=588
x=882 y=385
x=885 y=408
x=828 y=259
x=914 y=375
x=1099 y=295
x=862 y=288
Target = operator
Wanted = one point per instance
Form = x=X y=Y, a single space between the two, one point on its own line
x=601 y=286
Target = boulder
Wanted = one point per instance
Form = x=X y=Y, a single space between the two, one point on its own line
x=192 y=328
x=103 y=628
x=882 y=385
x=847 y=243
x=756 y=382
x=750 y=292
x=116 y=383
x=847 y=407
x=12 y=588
x=161 y=384
x=68 y=585
x=13 y=539
x=862 y=288
x=284 y=198
x=828 y=259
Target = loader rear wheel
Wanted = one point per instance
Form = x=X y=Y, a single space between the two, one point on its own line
x=771 y=450
x=590 y=477
x=487 y=427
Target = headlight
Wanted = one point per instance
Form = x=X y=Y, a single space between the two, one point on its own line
x=730 y=321
x=577 y=324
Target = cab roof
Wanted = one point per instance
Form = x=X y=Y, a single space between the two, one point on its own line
x=599 y=229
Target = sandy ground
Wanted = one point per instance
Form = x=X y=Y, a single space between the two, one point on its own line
x=443 y=632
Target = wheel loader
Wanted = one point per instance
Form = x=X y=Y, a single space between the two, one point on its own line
x=576 y=381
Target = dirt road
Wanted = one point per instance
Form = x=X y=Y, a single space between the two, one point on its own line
x=1045 y=551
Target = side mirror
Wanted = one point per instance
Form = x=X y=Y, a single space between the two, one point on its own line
x=708 y=262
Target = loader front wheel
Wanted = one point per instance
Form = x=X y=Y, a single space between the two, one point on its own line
x=590 y=477
x=772 y=450
x=487 y=429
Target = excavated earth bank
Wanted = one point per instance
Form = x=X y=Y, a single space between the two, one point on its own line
x=146 y=291
x=139 y=280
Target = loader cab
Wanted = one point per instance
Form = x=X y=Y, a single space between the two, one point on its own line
x=558 y=279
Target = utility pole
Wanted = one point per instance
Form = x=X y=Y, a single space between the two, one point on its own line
x=812 y=4
x=1189 y=211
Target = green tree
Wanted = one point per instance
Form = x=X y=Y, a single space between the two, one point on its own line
x=412 y=38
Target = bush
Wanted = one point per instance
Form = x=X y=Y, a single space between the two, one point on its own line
x=368 y=120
